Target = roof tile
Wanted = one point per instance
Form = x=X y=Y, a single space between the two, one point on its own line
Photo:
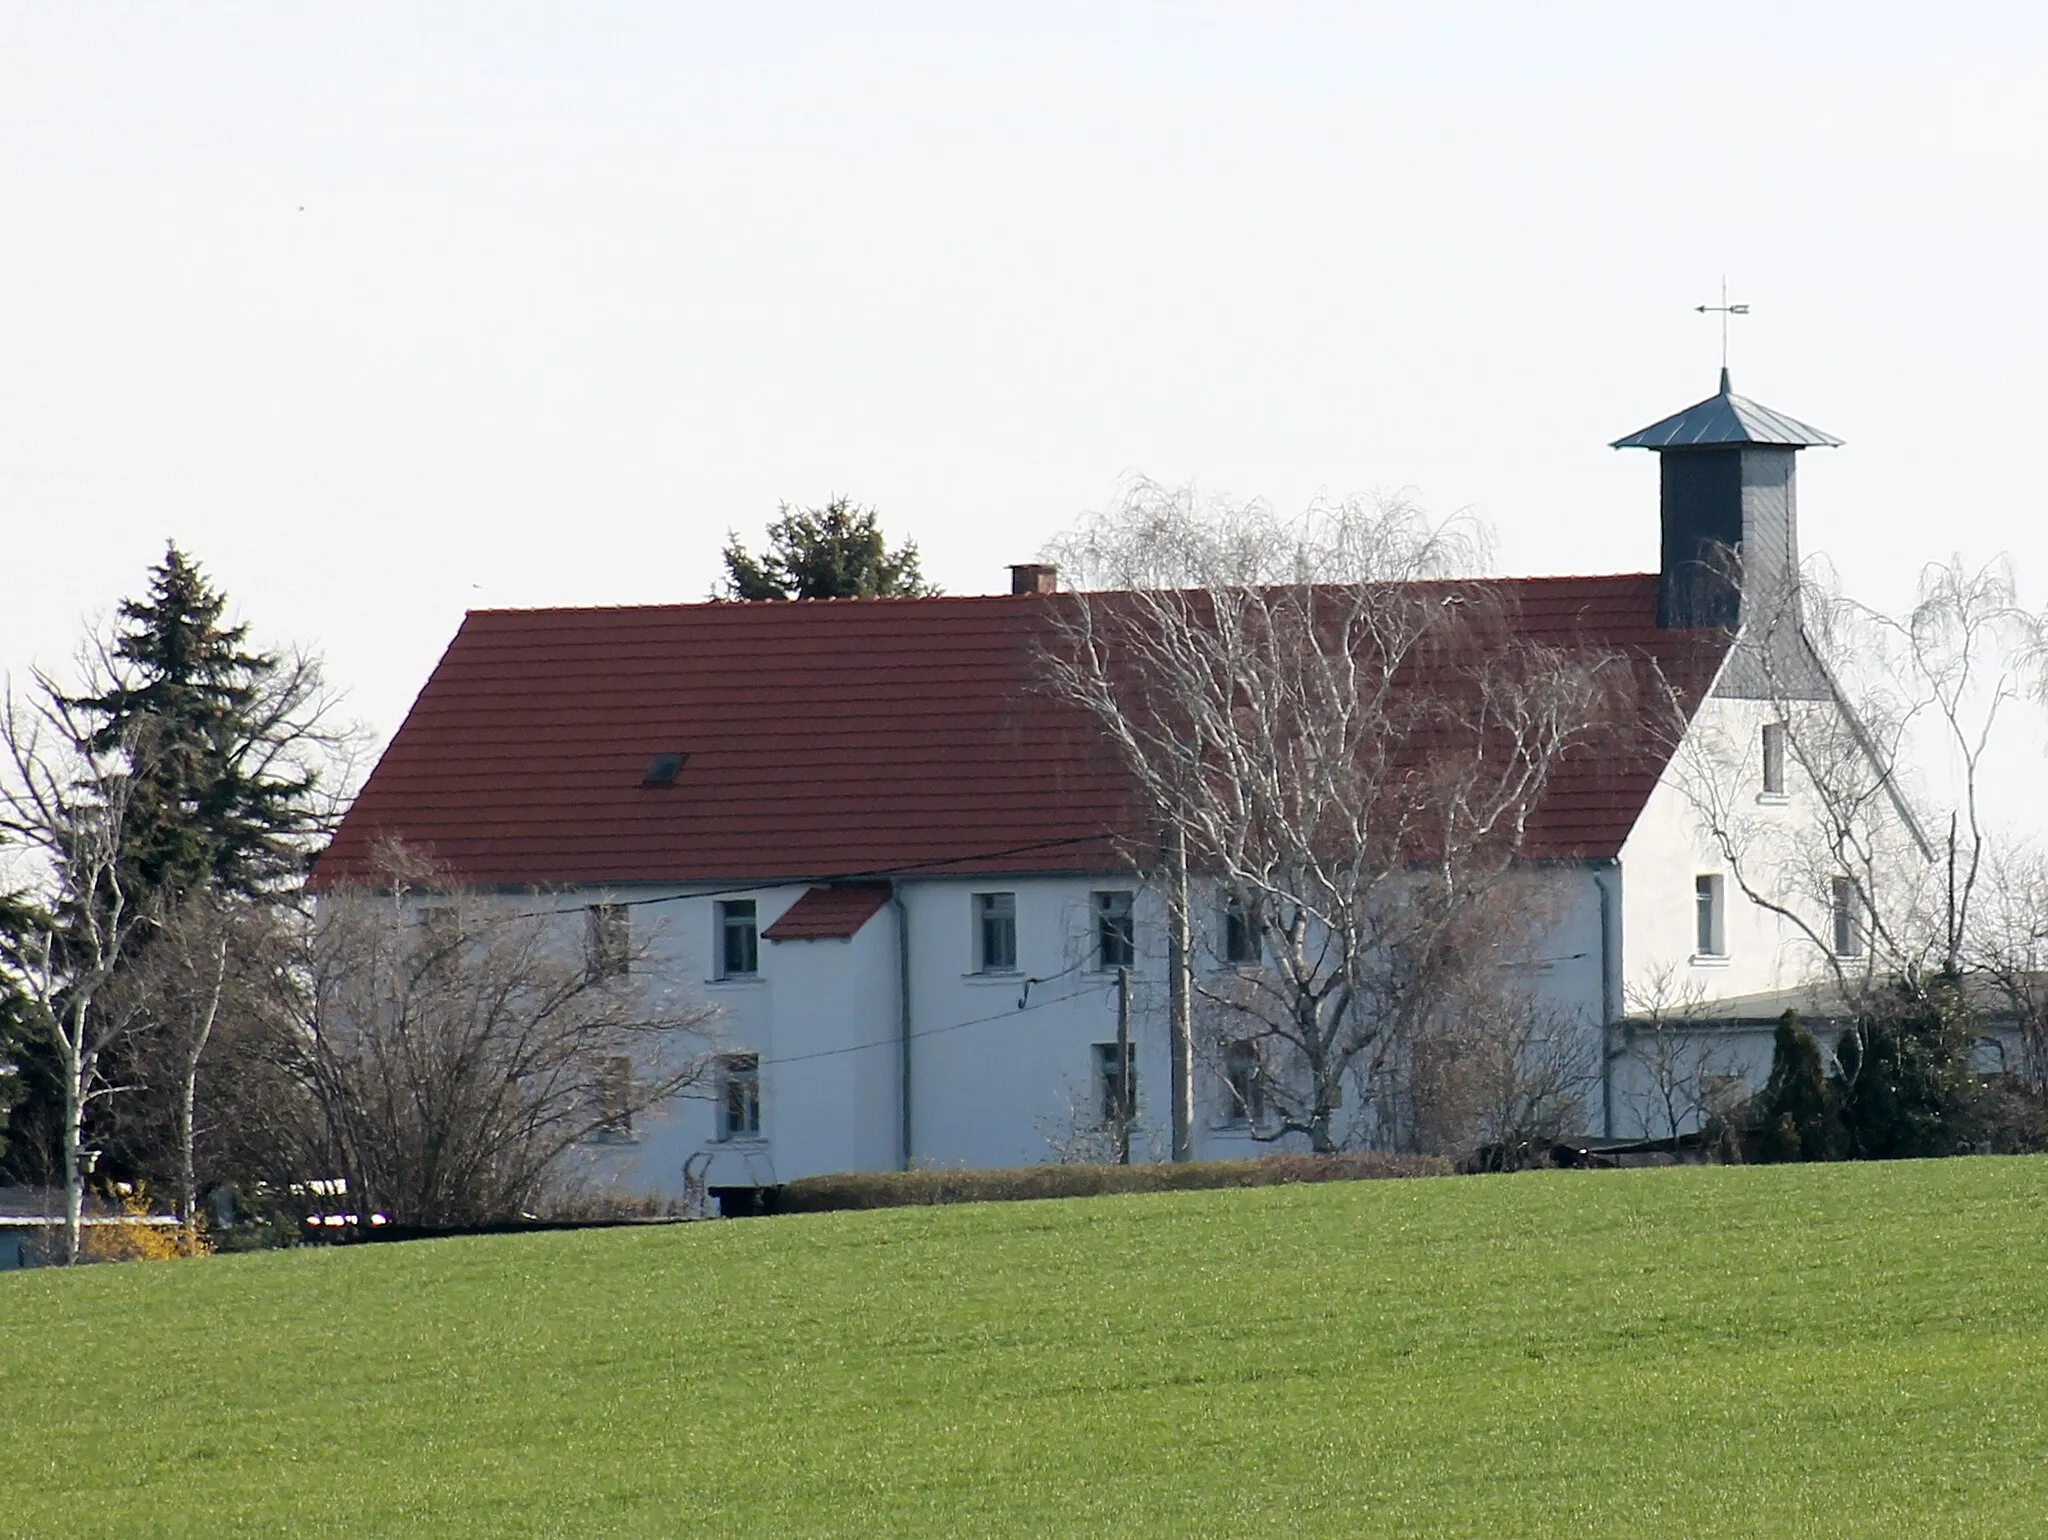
x=847 y=739
x=830 y=914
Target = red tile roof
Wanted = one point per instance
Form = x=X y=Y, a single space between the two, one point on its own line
x=830 y=914
x=847 y=738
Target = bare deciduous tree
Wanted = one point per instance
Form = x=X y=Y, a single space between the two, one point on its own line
x=72 y=922
x=209 y=994
x=1085 y=1133
x=1494 y=1074
x=1888 y=723
x=457 y=1044
x=2007 y=949
x=1679 y=1077
x=1347 y=742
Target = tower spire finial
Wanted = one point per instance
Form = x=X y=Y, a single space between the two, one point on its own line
x=1724 y=310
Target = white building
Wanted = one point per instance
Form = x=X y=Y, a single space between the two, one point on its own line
x=857 y=828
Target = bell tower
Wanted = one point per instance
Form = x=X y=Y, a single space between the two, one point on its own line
x=1730 y=512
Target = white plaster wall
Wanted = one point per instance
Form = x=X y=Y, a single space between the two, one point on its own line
x=820 y=1015
x=1670 y=848
x=1643 y=1110
x=993 y=1081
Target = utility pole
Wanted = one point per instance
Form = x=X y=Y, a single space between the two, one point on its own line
x=1125 y=1102
x=1178 y=1024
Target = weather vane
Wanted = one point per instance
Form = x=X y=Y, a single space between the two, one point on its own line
x=1724 y=310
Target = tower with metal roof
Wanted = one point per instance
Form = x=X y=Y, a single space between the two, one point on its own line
x=1730 y=512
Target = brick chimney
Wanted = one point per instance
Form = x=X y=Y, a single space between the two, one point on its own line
x=1034 y=578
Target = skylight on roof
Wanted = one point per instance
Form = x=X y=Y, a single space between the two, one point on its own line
x=665 y=769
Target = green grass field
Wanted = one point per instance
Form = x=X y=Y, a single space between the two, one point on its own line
x=1824 y=1350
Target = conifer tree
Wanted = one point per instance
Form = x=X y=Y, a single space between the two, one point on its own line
x=214 y=754
x=219 y=799
x=14 y=1043
x=1800 y=1121
x=833 y=552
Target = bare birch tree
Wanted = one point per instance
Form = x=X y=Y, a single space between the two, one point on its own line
x=72 y=921
x=1349 y=743
x=1678 y=1076
x=2007 y=949
x=1888 y=723
x=205 y=996
x=457 y=1045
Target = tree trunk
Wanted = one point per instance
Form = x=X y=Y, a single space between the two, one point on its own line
x=74 y=1142
x=188 y=1184
x=1178 y=996
x=1126 y=1104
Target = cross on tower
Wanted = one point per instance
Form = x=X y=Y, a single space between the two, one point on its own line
x=1724 y=310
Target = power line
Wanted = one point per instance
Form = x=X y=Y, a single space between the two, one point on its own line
x=958 y=1026
x=872 y=875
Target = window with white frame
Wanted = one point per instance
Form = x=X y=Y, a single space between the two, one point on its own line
x=995 y=933
x=1244 y=1085
x=1240 y=931
x=1116 y=935
x=738 y=939
x=1846 y=916
x=1710 y=934
x=739 y=1096
x=1116 y=1096
x=608 y=941
x=1774 y=759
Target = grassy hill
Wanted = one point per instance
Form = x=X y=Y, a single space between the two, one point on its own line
x=1789 y=1351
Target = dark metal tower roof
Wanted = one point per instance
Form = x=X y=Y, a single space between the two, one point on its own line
x=1726 y=418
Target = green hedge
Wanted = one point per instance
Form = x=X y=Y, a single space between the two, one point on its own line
x=902 y=1189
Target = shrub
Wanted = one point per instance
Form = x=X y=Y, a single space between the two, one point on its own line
x=2005 y=1117
x=903 y=1189
x=1797 y=1117
x=132 y=1237
x=1905 y=1081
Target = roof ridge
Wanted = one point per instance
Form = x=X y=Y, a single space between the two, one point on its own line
x=907 y=601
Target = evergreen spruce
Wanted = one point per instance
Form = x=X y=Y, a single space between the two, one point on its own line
x=833 y=552
x=217 y=741
x=16 y=1040
x=1799 y=1119
x=212 y=806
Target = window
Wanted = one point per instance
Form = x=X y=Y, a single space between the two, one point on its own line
x=1116 y=1096
x=1240 y=931
x=440 y=931
x=608 y=941
x=1710 y=937
x=1846 y=904
x=995 y=933
x=739 y=1096
x=615 y=1099
x=1116 y=937
x=1244 y=1085
x=1774 y=759
x=739 y=940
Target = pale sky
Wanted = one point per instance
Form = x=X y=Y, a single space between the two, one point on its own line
x=385 y=312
